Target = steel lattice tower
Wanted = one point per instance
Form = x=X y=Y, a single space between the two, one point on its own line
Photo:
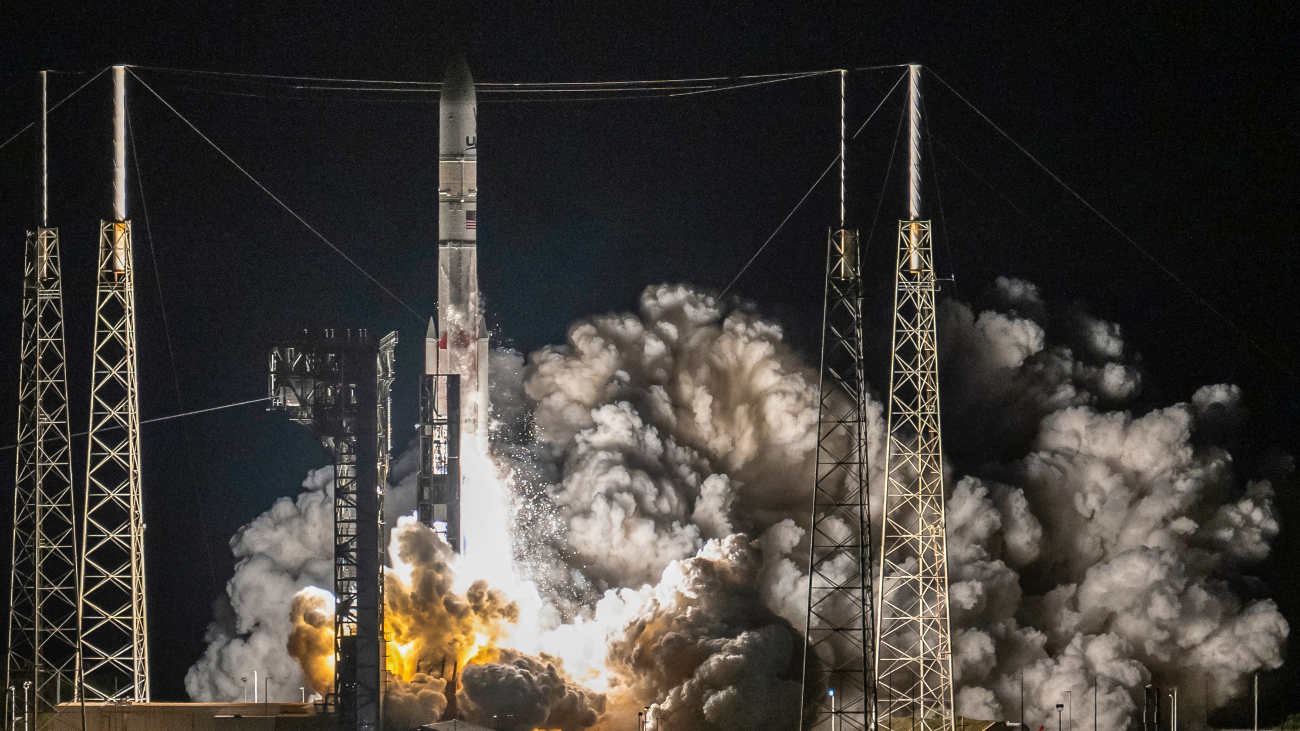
x=913 y=658
x=340 y=388
x=385 y=374
x=115 y=658
x=838 y=692
x=43 y=590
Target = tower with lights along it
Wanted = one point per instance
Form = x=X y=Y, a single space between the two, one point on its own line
x=838 y=693
x=111 y=600
x=913 y=643
x=42 y=648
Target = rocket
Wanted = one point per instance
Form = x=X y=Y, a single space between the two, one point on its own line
x=462 y=334
x=454 y=410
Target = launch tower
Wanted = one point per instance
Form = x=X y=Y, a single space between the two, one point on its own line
x=339 y=387
x=913 y=645
x=838 y=694
x=42 y=648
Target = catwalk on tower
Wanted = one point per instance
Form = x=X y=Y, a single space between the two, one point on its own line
x=454 y=398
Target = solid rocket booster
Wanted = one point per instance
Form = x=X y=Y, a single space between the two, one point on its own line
x=459 y=343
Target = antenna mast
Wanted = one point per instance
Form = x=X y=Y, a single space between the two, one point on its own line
x=115 y=662
x=913 y=656
x=42 y=597
x=838 y=692
x=843 y=160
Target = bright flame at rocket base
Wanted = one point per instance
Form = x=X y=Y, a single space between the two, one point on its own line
x=430 y=626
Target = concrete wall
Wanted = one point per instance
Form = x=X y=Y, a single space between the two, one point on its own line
x=189 y=717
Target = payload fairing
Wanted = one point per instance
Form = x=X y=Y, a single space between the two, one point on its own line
x=454 y=409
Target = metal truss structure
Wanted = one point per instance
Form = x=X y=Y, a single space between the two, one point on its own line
x=43 y=589
x=913 y=651
x=339 y=387
x=385 y=374
x=438 y=498
x=111 y=600
x=838 y=692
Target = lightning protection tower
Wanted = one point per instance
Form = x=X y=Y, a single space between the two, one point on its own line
x=43 y=591
x=913 y=659
x=111 y=600
x=838 y=692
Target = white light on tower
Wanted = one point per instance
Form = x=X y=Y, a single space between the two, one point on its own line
x=913 y=660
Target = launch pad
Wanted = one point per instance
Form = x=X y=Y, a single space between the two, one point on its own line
x=337 y=383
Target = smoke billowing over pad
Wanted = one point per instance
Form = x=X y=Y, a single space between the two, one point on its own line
x=659 y=467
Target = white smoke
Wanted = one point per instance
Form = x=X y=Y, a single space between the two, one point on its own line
x=660 y=465
x=284 y=550
x=666 y=429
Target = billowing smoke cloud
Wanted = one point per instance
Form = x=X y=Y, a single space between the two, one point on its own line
x=430 y=624
x=435 y=631
x=519 y=693
x=419 y=701
x=660 y=467
x=286 y=549
x=1087 y=544
x=703 y=647
x=311 y=641
x=668 y=429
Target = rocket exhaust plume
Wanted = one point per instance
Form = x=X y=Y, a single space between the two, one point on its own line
x=657 y=468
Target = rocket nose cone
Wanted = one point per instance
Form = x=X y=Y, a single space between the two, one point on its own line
x=457 y=84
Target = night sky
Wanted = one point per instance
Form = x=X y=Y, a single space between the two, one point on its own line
x=1180 y=125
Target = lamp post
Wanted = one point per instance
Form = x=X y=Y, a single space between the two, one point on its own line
x=834 y=710
x=1146 y=699
x=303 y=690
x=27 y=710
x=1173 y=719
x=245 y=682
x=640 y=720
x=1059 y=708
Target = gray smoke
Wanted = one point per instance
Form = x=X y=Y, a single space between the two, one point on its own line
x=1087 y=544
x=660 y=465
x=286 y=549
x=661 y=431
x=519 y=693
x=419 y=702
x=703 y=647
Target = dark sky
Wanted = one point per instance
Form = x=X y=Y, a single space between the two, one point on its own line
x=1180 y=124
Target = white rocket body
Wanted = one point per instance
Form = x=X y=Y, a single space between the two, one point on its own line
x=461 y=346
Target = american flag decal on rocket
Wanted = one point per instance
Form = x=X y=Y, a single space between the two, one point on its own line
x=471 y=220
